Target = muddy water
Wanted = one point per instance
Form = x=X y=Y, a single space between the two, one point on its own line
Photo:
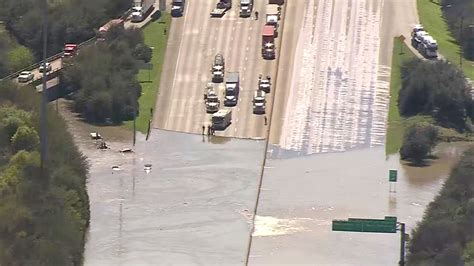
x=192 y=207
x=301 y=196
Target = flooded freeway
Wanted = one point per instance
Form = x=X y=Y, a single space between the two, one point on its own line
x=192 y=206
x=300 y=196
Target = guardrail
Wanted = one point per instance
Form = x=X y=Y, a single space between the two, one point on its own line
x=58 y=55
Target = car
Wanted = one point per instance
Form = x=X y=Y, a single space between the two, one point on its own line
x=48 y=67
x=25 y=76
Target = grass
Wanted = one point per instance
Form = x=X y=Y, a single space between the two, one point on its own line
x=432 y=19
x=150 y=79
x=396 y=124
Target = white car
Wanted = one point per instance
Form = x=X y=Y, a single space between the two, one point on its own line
x=25 y=76
x=48 y=67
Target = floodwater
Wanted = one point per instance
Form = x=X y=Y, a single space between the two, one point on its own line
x=300 y=196
x=191 y=206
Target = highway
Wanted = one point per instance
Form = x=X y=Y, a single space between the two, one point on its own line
x=194 y=40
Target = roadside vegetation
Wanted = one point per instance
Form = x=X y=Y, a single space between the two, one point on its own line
x=442 y=20
x=43 y=218
x=427 y=93
x=12 y=55
x=103 y=77
x=445 y=236
x=70 y=21
x=396 y=124
x=156 y=36
x=438 y=91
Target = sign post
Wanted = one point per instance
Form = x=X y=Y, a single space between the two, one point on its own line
x=392 y=178
x=387 y=225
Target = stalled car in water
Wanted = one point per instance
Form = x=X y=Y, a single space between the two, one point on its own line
x=25 y=76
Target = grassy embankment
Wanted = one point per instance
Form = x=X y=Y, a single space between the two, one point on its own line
x=432 y=19
x=155 y=37
x=396 y=123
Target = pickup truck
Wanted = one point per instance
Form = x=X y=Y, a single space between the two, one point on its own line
x=221 y=7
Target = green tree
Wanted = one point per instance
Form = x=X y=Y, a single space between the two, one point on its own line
x=437 y=89
x=19 y=58
x=418 y=142
x=25 y=138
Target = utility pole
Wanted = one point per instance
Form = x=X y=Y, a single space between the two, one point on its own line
x=402 y=244
x=134 y=122
x=461 y=41
x=44 y=100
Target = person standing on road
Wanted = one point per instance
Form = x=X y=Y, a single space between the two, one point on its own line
x=256 y=15
x=203 y=129
x=265 y=118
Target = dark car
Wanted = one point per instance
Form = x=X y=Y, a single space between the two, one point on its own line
x=177 y=8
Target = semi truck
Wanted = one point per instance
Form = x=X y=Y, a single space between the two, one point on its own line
x=221 y=7
x=211 y=99
x=221 y=119
x=273 y=10
x=218 y=68
x=268 y=42
x=423 y=42
x=104 y=29
x=232 y=89
x=177 y=8
x=246 y=7
x=259 y=102
x=140 y=9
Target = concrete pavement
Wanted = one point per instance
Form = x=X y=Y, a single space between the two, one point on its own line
x=194 y=40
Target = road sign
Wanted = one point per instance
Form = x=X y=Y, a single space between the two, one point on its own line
x=366 y=225
x=392 y=175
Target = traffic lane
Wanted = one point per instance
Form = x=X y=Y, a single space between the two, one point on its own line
x=187 y=84
x=399 y=17
x=168 y=73
x=245 y=123
x=188 y=113
x=293 y=15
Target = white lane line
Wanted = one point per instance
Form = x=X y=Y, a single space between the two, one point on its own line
x=179 y=53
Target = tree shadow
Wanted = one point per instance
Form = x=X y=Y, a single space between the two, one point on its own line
x=424 y=163
x=156 y=15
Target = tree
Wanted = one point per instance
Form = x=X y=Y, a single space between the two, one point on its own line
x=418 y=142
x=25 y=138
x=142 y=52
x=20 y=57
x=437 y=89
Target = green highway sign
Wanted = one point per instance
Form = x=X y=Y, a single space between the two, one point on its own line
x=392 y=175
x=387 y=225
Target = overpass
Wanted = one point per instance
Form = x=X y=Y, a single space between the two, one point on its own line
x=56 y=62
